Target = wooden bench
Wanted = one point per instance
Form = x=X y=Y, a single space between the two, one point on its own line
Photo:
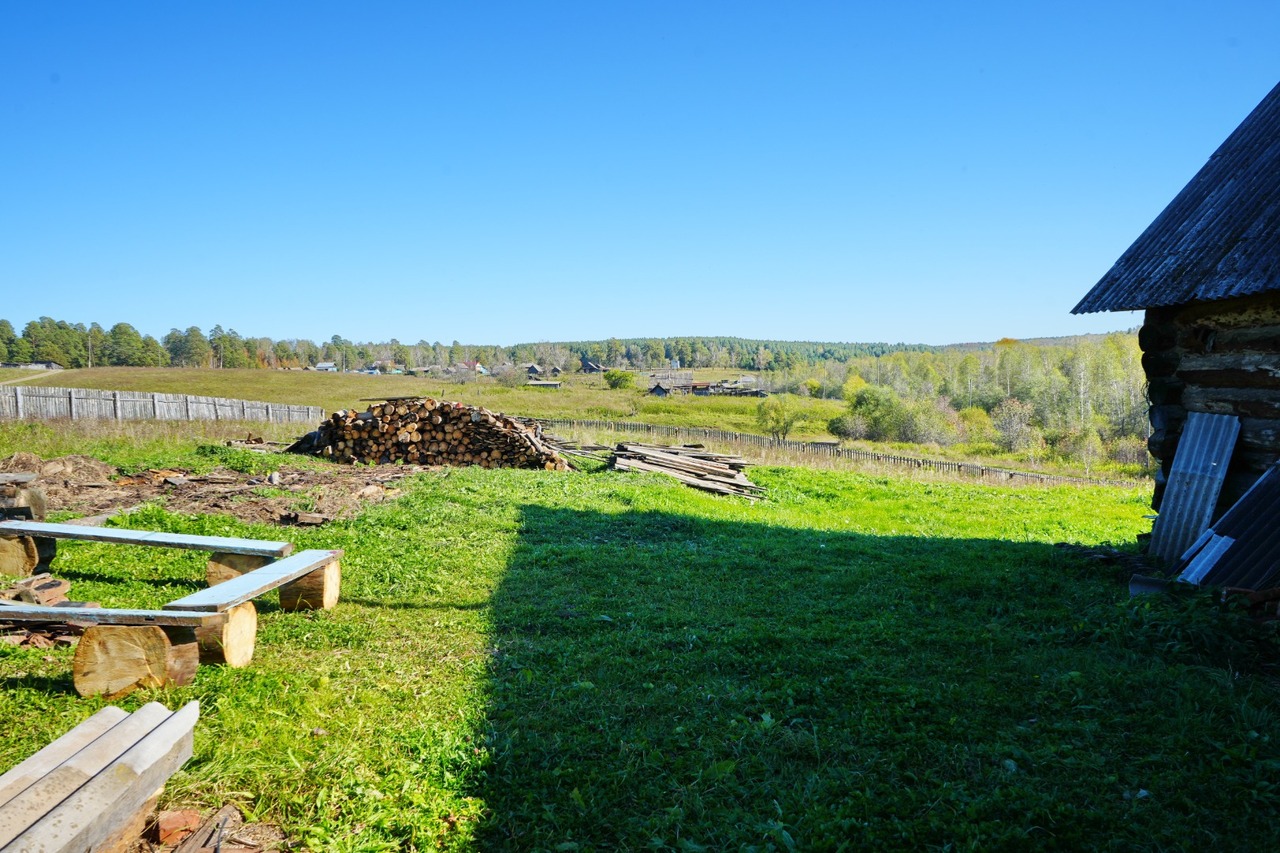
x=127 y=648
x=93 y=788
x=230 y=557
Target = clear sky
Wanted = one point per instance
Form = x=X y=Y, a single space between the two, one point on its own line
x=521 y=171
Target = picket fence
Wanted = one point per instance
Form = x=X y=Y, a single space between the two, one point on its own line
x=37 y=402
x=818 y=448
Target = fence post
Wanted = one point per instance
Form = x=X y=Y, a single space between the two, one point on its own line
x=155 y=406
x=115 y=404
x=71 y=403
x=17 y=399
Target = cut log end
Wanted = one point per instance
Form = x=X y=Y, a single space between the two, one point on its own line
x=113 y=660
x=233 y=642
x=18 y=556
x=315 y=591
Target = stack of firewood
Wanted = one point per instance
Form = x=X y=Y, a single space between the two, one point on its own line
x=692 y=465
x=423 y=431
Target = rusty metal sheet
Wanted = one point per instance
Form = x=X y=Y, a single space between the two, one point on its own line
x=1195 y=479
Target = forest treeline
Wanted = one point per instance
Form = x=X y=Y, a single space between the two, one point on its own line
x=1082 y=397
x=78 y=345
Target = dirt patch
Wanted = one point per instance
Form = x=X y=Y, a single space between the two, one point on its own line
x=88 y=487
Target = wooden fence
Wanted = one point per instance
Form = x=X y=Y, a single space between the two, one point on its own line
x=38 y=402
x=984 y=472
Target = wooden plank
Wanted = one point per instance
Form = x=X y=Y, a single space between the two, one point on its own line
x=28 y=772
x=94 y=815
x=36 y=802
x=121 y=536
x=106 y=616
x=252 y=584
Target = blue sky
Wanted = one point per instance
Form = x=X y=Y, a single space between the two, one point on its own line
x=506 y=172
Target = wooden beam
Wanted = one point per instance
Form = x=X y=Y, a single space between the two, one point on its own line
x=34 y=768
x=121 y=536
x=29 y=807
x=94 y=815
x=106 y=616
x=249 y=586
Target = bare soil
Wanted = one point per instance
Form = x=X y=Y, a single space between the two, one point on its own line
x=87 y=487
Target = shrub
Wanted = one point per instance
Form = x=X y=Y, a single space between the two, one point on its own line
x=777 y=415
x=883 y=412
x=1012 y=420
x=619 y=379
x=848 y=426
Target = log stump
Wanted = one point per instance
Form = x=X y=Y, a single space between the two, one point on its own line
x=315 y=591
x=19 y=556
x=114 y=660
x=232 y=642
x=223 y=567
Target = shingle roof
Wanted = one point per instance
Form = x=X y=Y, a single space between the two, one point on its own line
x=1219 y=238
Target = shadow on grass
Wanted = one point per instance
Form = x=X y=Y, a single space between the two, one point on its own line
x=39 y=683
x=400 y=604
x=662 y=681
x=159 y=583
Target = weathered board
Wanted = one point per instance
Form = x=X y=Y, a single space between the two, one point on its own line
x=252 y=584
x=121 y=536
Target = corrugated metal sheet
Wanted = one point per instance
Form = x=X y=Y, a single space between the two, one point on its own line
x=1219 y=238
x=1195 y=479
x=1201 y=560
x=1251 y=560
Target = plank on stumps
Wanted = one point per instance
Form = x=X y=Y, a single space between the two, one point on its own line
x=253 y=584
x=116 y=659
x=316 y=591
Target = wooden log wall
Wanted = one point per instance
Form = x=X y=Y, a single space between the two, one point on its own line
x=41 y=403
x=424 y=431
x=1222 y=358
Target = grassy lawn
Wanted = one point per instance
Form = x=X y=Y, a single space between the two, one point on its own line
x=595 y=661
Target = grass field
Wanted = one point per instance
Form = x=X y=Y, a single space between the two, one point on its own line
x=596 y=661
x=582 y=397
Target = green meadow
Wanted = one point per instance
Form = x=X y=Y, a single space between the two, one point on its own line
x=532 y=660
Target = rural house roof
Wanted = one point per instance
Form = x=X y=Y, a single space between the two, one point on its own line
x=1219 y=238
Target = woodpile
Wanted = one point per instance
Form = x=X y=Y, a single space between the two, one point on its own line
x=423 y=431
x=691 y=465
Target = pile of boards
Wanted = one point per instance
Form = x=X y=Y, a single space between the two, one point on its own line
x=423 y=431
x=692 y=465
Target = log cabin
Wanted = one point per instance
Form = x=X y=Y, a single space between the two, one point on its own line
x=1206 y=274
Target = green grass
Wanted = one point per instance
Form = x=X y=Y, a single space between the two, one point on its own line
x=531 y=660
x=10 y=373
